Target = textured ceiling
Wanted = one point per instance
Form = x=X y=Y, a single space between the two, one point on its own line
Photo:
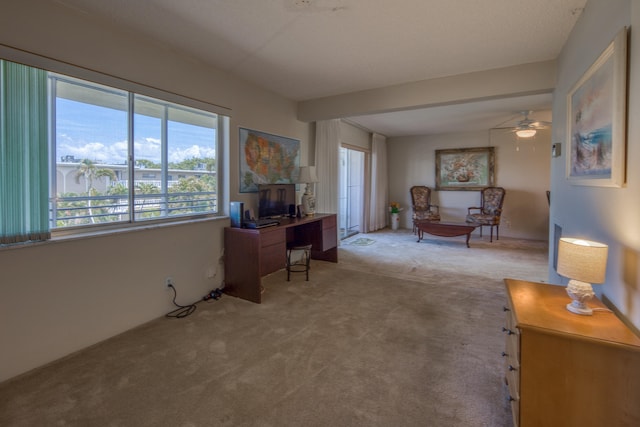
x=306 y=49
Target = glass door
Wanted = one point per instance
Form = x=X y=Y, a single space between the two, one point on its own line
x=351 y=192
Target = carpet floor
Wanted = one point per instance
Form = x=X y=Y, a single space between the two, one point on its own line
x=398 y=333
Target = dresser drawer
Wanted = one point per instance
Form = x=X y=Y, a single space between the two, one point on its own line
x=515 y=412
x=513 y=382
x=512 y=348
x=512 y=362
x=512 y=337
x=512 y=368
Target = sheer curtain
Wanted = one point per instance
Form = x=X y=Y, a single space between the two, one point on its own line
x=24 y=192
x=379 y=183
x=327 y=161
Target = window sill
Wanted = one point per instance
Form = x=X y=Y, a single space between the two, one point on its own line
x=65 y=236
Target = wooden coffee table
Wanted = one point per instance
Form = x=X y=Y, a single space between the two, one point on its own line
x=445 y=229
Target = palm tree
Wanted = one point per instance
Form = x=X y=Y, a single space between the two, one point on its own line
x=120 y=191
x=184 y=193
x=142 y=189
x=90 y=171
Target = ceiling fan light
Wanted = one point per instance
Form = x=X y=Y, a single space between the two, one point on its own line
x=526 y=133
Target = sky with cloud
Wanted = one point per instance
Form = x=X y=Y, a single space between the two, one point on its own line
x=100 y=134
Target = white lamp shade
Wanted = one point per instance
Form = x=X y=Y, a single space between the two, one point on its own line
x=307 y=174
x=526 y=133
x=582 y=260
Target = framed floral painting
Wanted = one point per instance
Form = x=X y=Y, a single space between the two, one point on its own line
x=466 y=169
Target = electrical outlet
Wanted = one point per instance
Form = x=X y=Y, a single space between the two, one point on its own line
x=168 y=281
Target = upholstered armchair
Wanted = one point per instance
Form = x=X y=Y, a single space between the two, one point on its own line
x=421 y=205
x=488 y=214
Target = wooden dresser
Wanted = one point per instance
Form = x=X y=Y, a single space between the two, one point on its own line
x=564 y=369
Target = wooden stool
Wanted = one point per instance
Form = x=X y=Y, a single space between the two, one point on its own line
x=298 y=265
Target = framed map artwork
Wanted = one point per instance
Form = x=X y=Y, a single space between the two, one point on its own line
x=267 y=159
x=466 y=169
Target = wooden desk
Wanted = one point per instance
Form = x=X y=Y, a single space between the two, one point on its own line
x=564 y=369
x=250 y=254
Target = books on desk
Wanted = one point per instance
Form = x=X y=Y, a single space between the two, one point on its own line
x=260 y=223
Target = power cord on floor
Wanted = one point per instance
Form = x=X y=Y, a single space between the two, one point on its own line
x=215 y=294
x=182 y=310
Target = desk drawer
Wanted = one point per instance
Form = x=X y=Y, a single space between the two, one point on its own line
x=273 y=258
x=272 y=237
x=273 y=250
x=329 y=222
x=329 y=238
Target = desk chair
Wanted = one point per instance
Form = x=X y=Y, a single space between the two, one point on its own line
x=298 y=259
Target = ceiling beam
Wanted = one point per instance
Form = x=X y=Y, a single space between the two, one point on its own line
x=525 y=79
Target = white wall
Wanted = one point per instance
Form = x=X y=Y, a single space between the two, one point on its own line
x=59 y=297
x=608 y=215
x=522 y=168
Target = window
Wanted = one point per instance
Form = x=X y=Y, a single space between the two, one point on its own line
x=173 y=138
x=113 y=155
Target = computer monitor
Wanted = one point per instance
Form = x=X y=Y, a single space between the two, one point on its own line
x=275 y=200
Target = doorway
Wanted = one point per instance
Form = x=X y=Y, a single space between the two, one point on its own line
x=351 y=197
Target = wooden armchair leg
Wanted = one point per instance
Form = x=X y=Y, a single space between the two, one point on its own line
x=497 y=226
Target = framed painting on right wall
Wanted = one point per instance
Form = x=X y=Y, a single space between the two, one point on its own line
x=596 y=120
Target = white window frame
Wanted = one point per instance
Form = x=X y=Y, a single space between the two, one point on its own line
x=222 y=134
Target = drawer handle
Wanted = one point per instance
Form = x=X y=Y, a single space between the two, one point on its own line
x=504 y=354
x=511 y=399
x=505 y=308
x=508 y=331
x=511 y=368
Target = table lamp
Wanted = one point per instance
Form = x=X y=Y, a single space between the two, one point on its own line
x=308 y=176
x=583 y=262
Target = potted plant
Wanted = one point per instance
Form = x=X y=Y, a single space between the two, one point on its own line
x=394 y=209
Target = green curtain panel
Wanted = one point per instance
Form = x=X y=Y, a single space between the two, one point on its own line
x=23 y=154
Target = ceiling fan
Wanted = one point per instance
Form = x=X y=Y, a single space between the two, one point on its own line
x=526 y=127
